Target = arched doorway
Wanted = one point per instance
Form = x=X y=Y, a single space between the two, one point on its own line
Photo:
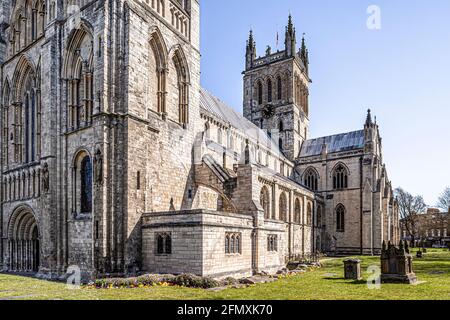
x=23 y=242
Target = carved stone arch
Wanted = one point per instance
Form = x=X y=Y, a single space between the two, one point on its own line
x=72 y=59
x=15 y=225
x=159 y=47
x=310 y=178
x=6 y=92
x=339 y=176
x=158 y=73
x=177 y=55
x=24 y=68
x=79 y=152
x=340 y=163
x=78 y=69
x=23 y=240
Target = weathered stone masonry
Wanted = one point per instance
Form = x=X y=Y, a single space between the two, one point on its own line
x=115 y=160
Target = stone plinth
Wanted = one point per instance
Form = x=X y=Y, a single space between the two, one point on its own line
x=352 y=269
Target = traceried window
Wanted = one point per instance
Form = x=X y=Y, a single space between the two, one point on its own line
x=163 y=243
x=78 y=71
x=272 y=243
x=340 y=178
x=264 y=200
x=340 y=218
x=233 y=243
x=310 y=179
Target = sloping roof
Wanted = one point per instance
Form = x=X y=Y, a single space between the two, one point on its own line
x=214 y=105
x=335 y=143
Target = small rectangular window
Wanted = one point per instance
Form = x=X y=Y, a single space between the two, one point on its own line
x=163 y=242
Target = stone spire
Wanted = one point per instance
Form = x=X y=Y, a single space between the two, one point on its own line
x=304 y=53
x=290 y=42
x=251 y=51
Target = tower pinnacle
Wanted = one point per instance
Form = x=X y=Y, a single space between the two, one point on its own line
x=290 y=42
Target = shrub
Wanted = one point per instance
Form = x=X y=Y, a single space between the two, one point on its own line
x=193 y=281
x=184 y=280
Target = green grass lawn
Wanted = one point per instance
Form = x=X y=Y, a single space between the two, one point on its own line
x=324 y=283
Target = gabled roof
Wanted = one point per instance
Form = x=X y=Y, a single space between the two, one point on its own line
x=218 y=108
x=335 y=143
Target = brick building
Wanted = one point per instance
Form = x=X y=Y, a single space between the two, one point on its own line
x=429 y=229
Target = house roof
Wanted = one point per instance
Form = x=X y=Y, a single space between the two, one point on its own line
x=335 y=143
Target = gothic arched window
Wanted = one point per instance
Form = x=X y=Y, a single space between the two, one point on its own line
x=309 y=214
x=340 y=177
x=78 y=70
x=311 y=179
x=297 y=211
x=5 y=124
x=86 y=185
x=269 y=90
x=182 y=72
x=26 y=128
x=264 y=200
x=280 y=88
x=340 y=218
x=260 y=93
x=283 y=207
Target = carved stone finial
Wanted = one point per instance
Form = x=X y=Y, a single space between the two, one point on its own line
x=247 y=152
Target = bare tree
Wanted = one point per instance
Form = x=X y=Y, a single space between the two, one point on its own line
x=444 y=200
x=409 y=207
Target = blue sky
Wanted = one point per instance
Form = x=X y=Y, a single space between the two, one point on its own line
x=401 y=72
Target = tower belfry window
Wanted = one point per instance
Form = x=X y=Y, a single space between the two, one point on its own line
x=269 y=90
x=260 y=93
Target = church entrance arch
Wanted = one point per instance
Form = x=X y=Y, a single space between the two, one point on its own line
x=23 y=241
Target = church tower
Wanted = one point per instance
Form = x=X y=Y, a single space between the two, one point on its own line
x=276 y=90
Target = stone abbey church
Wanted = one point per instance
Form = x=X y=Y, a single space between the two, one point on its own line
x=115 y=160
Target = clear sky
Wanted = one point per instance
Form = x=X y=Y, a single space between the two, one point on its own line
x=401 y=72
